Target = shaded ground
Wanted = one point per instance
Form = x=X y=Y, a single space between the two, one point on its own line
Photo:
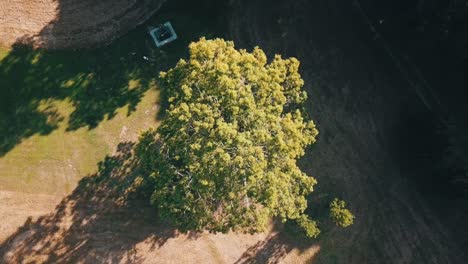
x=96 y=222
x=18 y=207
x=431 y=39
x=84 y=223
x=61 y=112
x=96 y=82
x=357 y=97
x=53 y=163
x=104 y=220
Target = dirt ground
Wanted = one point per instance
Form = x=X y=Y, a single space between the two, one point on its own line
x=17 y=207
x=357 y=98
x=101 y=222
x=70 y=23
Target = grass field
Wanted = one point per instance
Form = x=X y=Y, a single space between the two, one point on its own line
x=3 y=52
x=62 y=111
x=54 y=163
x=62 y=117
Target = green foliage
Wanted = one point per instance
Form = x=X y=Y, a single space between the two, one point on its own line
x=339 y=214
x=309 y=226
x=225 y=156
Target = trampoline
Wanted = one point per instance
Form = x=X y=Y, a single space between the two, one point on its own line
x=163 y=34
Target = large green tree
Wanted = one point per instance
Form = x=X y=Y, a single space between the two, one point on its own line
x=224 y=157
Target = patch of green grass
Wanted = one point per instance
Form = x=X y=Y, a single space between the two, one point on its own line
x=61 y=112
x=55 y=162
x=3 y=53
x=96 y=82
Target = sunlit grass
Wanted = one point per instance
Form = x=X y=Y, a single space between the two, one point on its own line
x=55 y=162
x=3 y=53
x=61 y=112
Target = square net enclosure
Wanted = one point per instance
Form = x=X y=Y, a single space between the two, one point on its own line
x=163 y=34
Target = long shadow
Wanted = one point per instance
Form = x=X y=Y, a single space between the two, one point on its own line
x=288 y=236
x=106 y=217
x=103 y=219
x=96 y=82
x=270 y=250
x=274 y=248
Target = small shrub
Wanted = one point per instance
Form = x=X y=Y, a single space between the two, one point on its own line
x=339 y=214
x=308 y=226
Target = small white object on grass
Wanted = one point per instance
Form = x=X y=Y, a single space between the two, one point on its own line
x=145 y=58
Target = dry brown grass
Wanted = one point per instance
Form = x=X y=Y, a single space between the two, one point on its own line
x=104 y=221
x=64 y=24
x=355 y=100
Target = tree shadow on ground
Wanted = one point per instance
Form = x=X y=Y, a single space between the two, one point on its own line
x=102 y=220
x=95 y=82
x=288 y=237
x=105 y=219
x=275 y=248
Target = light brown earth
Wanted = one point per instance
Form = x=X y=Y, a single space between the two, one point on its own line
x=357 y=97
x=57 y=24
x=100 y=222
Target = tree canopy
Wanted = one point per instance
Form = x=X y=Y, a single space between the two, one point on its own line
x=224 y=157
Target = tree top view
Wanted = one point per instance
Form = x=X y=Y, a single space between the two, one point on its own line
x=210 y=131
x=225 y=155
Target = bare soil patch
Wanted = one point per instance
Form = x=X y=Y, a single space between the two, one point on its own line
x=17 y=207
x=57 y=24
x=104 y=221
x=357 y=98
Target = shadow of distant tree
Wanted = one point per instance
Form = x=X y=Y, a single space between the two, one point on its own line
x=274 y=248
x=95 y=82
x=101 y=221
x=269 y=250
